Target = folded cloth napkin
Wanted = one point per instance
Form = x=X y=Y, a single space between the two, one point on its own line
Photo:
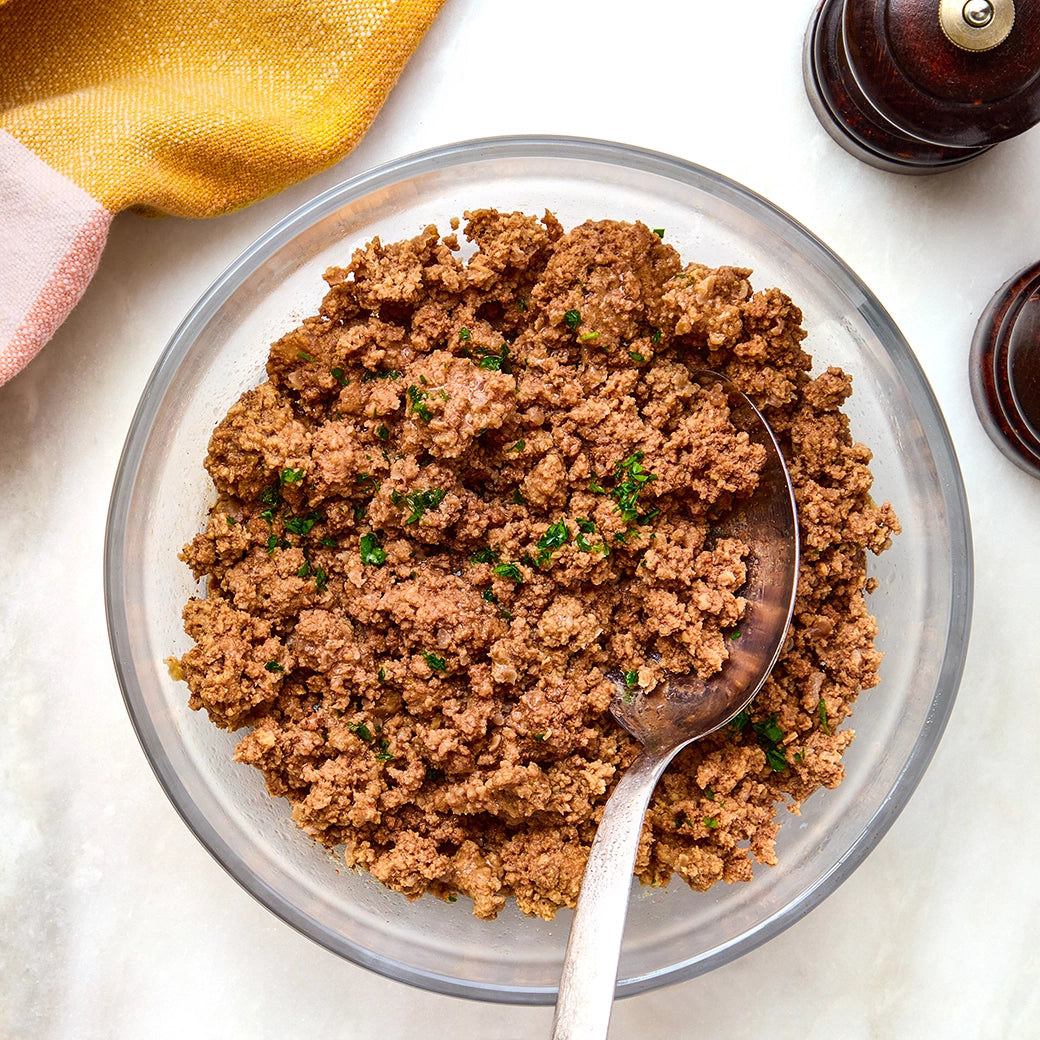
x=161 y=106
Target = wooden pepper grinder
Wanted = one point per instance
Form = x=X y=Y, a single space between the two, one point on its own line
x=1004 y=369
x=919 y=86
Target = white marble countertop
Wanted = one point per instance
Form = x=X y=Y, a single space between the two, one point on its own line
x=116 y=923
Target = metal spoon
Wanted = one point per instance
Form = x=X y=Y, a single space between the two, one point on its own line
x=673 y=715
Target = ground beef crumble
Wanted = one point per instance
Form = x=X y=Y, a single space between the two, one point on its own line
x=470 y=490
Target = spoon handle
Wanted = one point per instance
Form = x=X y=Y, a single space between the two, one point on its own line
x=590 y=966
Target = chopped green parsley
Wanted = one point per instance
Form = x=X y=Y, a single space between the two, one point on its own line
x=630 y=478
x=302 y=525
x=421 y=501
x=437 y=664
x=418 y=398
x=770 y=736
x=361 y=730
x=371 y=552
x=508 y=570
x=556 y=536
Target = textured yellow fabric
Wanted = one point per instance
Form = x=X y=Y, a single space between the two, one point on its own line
x=193 y=107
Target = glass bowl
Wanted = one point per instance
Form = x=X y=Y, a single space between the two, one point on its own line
x=161 y=495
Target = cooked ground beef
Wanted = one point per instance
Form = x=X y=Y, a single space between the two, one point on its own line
x=470 y=491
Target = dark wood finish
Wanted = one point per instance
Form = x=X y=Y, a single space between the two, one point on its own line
x=891 y=89
x=1004 y=369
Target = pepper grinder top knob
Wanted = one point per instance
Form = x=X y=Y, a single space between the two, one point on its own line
x=976 y=25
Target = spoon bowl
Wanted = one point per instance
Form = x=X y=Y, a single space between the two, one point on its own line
x=672 y=715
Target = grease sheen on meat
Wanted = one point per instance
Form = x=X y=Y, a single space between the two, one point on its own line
x=473 y=487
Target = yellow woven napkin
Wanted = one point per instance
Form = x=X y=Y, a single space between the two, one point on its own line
x=186 y=108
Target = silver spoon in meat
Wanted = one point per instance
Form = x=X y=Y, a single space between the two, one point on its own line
x=671 y=716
